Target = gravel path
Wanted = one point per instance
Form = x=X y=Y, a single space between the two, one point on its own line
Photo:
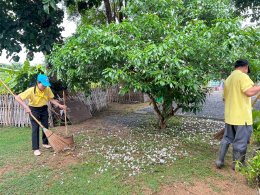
x=213 y=107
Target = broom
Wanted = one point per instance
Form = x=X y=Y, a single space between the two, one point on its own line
x=219 y=135
x=55 y=141
x=68 y=139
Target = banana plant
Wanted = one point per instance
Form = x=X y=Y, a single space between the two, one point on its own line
x=20 y=78
x=6 y=76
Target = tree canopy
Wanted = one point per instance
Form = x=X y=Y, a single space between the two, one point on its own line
x=167 y=49
x=24 y=23
x=251 y=8
x=35 y=25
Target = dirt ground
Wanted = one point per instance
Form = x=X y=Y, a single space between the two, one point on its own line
x=109 y=122
x=213 y=187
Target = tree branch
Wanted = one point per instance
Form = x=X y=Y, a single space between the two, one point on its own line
x=158 y=112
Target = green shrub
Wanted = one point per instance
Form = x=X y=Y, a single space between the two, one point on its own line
x=256 y=125
x=252 y=170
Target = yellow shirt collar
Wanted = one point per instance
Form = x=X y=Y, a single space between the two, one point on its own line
x=40 y=93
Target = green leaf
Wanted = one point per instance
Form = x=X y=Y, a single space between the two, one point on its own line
x=53 y=4
x=46 y=8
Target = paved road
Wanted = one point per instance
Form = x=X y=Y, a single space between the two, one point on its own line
x=213 y=107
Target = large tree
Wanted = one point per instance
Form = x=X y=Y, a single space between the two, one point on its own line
x=160 y=50
x=24 y=23
x=35 y=24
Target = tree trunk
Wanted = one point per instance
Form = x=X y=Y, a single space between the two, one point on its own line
x=125 y=5
x=114 y=15
x=162 y=121
x=108 y=11
x=120 y=14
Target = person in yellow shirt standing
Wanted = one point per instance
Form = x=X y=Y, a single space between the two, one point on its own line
x=38 y=97
x=238 y=90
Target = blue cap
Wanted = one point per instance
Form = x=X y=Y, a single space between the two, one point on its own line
x=44 y=80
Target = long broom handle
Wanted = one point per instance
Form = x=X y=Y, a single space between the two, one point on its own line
x=10 y=91
x=7 y=87
x=255 y=100
x=65 y=113
x=39 y=123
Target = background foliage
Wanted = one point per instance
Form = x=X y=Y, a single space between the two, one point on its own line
x=35 y=25
x=256 y=125
x=24 y=23
x=20 y=77
x=159 y=49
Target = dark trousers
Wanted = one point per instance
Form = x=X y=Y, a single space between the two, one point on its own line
x=238 y=135
x=41 y=113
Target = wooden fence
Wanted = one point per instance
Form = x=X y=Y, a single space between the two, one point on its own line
x=131 y=97
x=13 y=114
x=96 y=101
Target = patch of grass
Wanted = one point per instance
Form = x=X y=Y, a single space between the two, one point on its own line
x=174 y=121
x=215 y=188
x=81 y=179
x=15 y=144
x=77 y=179
x=31 y=182
x=142 y=158
x=196 y=166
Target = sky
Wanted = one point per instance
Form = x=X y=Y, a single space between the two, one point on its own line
x=69 y=29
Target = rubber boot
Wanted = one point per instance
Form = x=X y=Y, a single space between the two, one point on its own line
x=222 y=153
x=238 y=156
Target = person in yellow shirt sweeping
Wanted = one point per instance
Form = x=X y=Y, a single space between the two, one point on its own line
x=238 y=90
x=38 y=97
